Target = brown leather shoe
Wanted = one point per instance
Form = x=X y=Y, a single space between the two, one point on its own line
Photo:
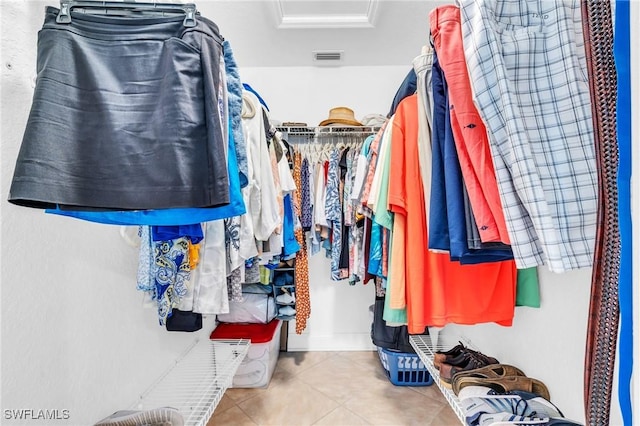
x=440 y=356
x=473 y=361
x=494 y=371
x=506 y=384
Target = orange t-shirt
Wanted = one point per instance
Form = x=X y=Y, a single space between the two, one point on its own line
x=439 y=291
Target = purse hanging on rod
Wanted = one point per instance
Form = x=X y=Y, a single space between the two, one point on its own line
x=127 y=8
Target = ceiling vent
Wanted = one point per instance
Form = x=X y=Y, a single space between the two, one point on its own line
x=328 y=57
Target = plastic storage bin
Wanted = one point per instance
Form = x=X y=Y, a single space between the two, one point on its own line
x=404 y=369
x=256 y=369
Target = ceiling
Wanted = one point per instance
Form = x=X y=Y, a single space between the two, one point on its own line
x=276 y=33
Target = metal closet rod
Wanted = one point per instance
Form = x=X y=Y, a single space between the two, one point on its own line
x=189 y=9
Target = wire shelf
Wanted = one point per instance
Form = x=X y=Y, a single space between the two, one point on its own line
x=325 y=133
x=197 y=380
x=426 y=350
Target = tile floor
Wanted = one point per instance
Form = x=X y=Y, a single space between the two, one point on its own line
x=336 y=389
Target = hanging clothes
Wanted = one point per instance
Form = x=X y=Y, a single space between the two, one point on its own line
x=263 y=203
x=422 y=65
x=82 y=125
x=542 y=140
x=306 y=217
x=174 y=216
x=334 y=215
x=210 y=293
x=171 y=269
x=439 y=291
x=303 y=301
x=469 y=132
x=234 y=102
x=449 y=185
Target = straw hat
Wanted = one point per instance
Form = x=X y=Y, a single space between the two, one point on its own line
x=341 y=115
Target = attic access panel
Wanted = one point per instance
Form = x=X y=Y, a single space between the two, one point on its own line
x=325 y=14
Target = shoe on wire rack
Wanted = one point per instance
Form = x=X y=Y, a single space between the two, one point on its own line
x=286 y=311
x=163 y=416
x=440 y=356
x=467 y=361
x=479 y=401
x=286 y=298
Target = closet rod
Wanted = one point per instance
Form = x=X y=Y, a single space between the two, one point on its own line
x=189 y=9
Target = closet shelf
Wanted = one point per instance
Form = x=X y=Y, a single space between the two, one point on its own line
x=197 y=380
x=425 y=349
x=321 y=132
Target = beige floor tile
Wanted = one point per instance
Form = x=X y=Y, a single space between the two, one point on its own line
x=395 y=405
x=431 y=391
x=365 y=356
x=368 y=360
x=225 y=403
x=333 y=388
x=341 y=417
x=242 y=394
x=281 y=376
x=233 y=416
x=296 y=362
x=297 y=404
x=446 y=417
x=341 y=379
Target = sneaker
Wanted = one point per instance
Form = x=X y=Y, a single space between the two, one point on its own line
x=508 y=419
x=286 y=298
x=286 y=311
x=477 y=401
x=534 y=403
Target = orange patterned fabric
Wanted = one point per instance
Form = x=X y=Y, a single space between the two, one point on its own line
x=303 y=302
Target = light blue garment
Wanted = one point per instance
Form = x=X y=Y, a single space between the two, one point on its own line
x=375 y=250
x=168 y=217
x=291 y=245
x=234 y=101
